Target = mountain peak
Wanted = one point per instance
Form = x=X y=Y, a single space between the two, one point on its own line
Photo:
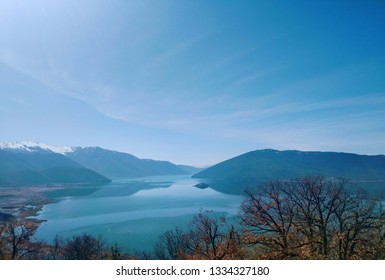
x=33 y=146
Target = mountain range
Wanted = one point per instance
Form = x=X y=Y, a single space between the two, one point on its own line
x=252 y=168
x=115 y=164
x=43 y=167
x=31 y=163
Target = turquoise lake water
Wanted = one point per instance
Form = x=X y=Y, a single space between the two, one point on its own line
x=132 y=212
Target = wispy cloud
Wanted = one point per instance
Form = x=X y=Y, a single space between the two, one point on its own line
x=245 y=82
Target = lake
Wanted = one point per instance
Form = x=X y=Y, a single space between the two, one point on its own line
x=132 y=212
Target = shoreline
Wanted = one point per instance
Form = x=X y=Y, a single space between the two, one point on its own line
x=24 y=203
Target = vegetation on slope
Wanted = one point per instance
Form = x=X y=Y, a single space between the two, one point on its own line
x=250 y=169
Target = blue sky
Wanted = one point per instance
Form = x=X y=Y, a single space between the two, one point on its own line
x=194 y=82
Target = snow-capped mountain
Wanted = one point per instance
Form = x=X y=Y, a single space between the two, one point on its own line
x=32 y=146
x=29 y=155
x=29 y=163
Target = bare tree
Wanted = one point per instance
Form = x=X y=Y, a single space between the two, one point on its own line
x=208 y=237
x=17 y=240
x=379 y=238
x=269 y=218
x=55 y=251
x=84 y=247
x=116 y=252
x=313 y=218
x=212 y=238
x=2 y=242
x=358 y=226
x=172 y=245
x=315 y=202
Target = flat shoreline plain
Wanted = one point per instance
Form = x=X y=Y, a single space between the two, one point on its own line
x=24 y=203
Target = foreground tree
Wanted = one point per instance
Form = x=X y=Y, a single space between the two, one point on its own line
x=17 y=243
x=315 y=202
x=115 y=253
x=269 y=217
x=172 y=245
x=208 y=237
x=2 y=243
x=312 y=218
x=55 y=251
x=85 y=247
x=212 y=238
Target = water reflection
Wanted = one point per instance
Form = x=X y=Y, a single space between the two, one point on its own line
x=133 y=212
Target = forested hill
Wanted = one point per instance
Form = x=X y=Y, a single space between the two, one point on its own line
x=115 y=164
x=262 y=165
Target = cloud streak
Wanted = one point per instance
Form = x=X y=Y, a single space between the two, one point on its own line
x=232 y=81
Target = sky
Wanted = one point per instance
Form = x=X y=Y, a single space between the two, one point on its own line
x=194 y=82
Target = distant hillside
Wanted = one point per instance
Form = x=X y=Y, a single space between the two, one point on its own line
x=190 y=169
x=42 y=167
x=117 y=164
x=261 y=165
